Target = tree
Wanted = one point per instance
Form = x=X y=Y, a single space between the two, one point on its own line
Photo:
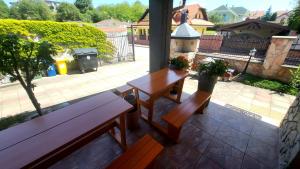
x=83 y=5
x=294 y=19
x=122 y=11
x=269 y=16
x=23 y=59
x=67 y=12
x=95 y=15
x=4 y=10
x=215 y=18
x=273 y=17
x=31 y=10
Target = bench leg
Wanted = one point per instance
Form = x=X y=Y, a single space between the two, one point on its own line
x=200 y=110
x=123 y=131
x=137 y=97
x=179 y=92
x=173 y=133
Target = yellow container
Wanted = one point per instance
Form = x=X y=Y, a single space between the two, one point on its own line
x=61 y=66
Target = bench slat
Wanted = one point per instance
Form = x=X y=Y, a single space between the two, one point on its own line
x=180 y=114
x=149 y=158
x=139 y=156
x=130 y=152
x=16 y=134
x=123 y=89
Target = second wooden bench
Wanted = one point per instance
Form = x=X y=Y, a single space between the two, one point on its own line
x=141 y=155
x=182 y=112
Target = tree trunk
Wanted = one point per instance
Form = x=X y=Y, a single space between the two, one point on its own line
x=33 y=99
x=31 y=95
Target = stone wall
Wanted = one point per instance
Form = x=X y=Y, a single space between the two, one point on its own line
x=276 y=54
x=290 y=137
x=255 y=67
x=271 y=67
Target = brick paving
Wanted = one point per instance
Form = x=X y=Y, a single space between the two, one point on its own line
x=53 y=91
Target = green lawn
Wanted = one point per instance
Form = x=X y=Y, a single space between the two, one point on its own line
x=273 y=85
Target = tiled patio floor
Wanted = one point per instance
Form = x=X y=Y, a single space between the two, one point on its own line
x=53 y=91
x=219 y=138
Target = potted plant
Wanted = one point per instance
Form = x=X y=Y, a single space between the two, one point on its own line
x=208 y=74
x=179 y=63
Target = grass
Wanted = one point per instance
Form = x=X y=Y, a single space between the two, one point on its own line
x=12 y=120
x=273 y=85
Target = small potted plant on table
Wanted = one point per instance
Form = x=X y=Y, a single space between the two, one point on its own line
x=208 y=74
x=178 y=63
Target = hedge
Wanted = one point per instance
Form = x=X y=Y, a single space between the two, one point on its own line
x=62 y=34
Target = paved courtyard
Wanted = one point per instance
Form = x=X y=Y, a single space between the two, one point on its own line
x=60 y=90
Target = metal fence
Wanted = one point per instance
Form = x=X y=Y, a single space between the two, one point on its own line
x=234 y=46
x=241 y=46
x=293 y=57
x=124 y=49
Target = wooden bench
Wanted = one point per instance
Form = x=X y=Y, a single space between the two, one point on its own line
x=139 y=156
x=124 y=90
x=182 y=112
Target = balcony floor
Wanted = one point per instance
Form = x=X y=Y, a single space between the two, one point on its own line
x=220 y=138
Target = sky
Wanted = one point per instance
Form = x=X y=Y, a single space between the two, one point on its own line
x=212 y=4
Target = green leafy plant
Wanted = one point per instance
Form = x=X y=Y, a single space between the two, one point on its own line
x=23 y=59
x=180 y=63
x=63 y=35
x=214 y=68
x=295 y=79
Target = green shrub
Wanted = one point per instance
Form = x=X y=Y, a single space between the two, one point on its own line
x=215 y=68
x=269 y=84
x=62 y=34
x=295 y=80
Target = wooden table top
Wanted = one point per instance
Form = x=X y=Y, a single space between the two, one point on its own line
x=29 y=141
x=158 y=81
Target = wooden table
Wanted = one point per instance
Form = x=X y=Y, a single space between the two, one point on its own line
x=156 y=85
x=42 y=141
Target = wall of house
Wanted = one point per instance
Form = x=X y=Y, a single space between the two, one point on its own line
x=289 y=153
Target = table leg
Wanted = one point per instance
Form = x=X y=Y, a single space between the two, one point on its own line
x=179 y=92
x=123 y=131
x=137 y=97
x=150 y=110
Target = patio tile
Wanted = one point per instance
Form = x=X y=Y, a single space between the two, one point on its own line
x=224 y=155
x=195 y=138
x=262 y=152
x=206 y=123
x=266 y=133
x=279 y=109
x=250 y=163
x=205 y=163
x=263 y=111
x=260 y=103
x=243 y=124
x=233 y=137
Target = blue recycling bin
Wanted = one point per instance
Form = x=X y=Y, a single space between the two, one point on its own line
x=51 y=70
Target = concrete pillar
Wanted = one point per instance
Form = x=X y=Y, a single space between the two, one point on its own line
x=160 y=18
x=276 y=54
